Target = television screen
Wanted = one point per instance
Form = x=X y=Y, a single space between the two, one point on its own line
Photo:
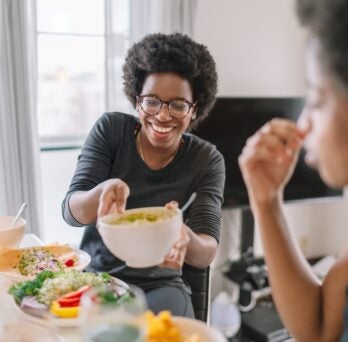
x=232 y=121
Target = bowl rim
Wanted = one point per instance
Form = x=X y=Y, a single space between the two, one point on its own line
x=21 y=223
x=101 y=221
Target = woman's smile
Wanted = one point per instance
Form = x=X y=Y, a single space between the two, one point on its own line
x=161 y=129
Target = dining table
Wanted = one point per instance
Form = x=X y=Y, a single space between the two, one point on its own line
x=22 y=327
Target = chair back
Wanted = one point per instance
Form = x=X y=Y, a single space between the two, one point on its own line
x=199 y=282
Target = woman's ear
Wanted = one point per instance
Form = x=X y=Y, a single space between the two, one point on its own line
x=194 y=114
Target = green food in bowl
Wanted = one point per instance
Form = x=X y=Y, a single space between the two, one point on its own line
x=153 y=230
x=143 y=217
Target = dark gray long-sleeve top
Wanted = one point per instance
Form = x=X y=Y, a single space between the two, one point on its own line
x=110 y=152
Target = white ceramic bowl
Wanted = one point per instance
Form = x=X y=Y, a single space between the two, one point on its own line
x=11 y=237
x=141 y=244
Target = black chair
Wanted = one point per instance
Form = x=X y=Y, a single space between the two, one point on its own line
x=199 y=282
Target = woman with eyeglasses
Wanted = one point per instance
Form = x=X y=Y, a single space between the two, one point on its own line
x=151 y=160
x=311 y=309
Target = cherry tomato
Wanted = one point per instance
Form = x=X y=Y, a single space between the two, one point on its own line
x=69 y=263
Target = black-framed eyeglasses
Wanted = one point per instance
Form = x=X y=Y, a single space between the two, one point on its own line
x=152 y=105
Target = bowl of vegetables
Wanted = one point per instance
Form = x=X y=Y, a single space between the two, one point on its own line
x=55 y=296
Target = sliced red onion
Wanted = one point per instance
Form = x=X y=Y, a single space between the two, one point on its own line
x=31 y=306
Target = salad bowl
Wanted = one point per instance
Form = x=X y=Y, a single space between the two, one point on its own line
x=53 y=298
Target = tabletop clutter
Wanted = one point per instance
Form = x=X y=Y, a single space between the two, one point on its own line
x=49 y=287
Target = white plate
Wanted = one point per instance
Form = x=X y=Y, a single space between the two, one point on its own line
x=50 y=320
x=189 y=326
x=83 y=260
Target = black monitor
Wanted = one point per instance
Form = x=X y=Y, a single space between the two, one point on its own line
x=232 y=121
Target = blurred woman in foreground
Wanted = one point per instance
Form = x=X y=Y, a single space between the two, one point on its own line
x=311 y=311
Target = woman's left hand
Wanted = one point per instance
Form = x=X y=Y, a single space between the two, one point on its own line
x=176 y=257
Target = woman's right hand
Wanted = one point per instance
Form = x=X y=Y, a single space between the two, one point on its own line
x=113 y=197
x=268 y=159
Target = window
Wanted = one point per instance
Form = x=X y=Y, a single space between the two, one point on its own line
x=81 y=49
x=76 y=72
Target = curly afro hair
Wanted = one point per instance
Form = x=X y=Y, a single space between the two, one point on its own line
x=327 y=21
x=176 y=53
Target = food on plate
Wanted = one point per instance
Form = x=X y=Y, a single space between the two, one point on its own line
x=161 y=328
x=141 y=217
x=64 y=312
x=35 y=260
x=32 y=260
x=60 y=292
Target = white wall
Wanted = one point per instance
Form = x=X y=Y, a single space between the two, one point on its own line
x=257 y=45
x=320 y=228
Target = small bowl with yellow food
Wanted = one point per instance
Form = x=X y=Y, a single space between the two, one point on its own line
x=141 y=237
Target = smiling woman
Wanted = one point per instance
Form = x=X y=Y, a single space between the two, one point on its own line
x=152 y=160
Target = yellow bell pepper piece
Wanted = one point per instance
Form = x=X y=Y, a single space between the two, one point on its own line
x=66 y=312
x=161 y=328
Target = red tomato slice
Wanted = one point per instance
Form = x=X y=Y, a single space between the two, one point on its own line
x=68 y=302
x=76 y=294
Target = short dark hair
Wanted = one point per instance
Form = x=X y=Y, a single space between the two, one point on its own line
x=176 y=53
x=327 y=20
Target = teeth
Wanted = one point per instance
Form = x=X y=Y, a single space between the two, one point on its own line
x=162 y=129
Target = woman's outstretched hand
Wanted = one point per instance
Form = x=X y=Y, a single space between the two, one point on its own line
x=269 y=158
x=176 y=257
x=113 y=197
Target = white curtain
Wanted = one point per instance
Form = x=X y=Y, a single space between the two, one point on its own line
x=19 y=149
x=166 y=16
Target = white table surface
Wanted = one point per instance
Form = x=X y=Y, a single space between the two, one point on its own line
x=8 y=312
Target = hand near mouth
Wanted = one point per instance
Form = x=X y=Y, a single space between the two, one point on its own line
x=269 y=158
